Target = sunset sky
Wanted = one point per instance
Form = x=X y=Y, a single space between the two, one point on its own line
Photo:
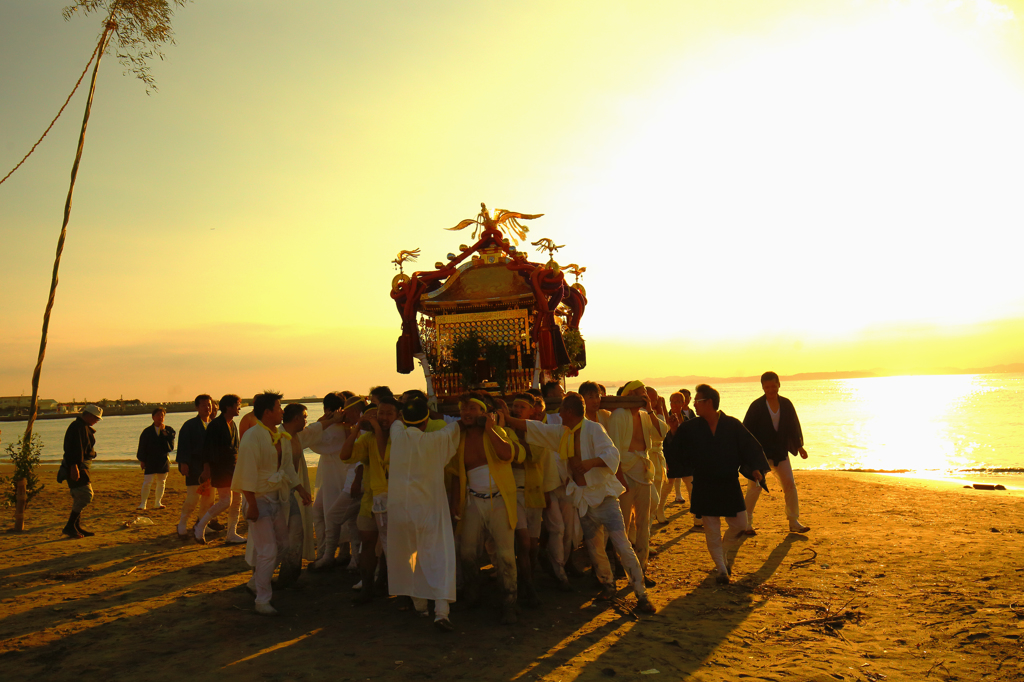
x=801 y=185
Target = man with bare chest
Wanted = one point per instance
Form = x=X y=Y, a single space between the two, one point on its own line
x=485 y=499
x=633 y=432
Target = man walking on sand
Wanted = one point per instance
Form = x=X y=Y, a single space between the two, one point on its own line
x=189 y=459
x=220 y=452
x=264 y=466
x=715 y=447
x=773 y=421
x=79 y=450
x=155 y=444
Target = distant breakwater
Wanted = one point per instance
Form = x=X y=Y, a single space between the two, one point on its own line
x=146 y=408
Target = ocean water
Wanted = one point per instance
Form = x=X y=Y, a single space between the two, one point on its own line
x=945 y=426
x=953 y=426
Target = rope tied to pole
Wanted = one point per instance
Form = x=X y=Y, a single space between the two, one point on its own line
x=45 y=132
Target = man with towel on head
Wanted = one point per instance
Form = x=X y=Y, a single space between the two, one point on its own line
x=633 y=432
x=486 y=499
x=421 y=545
x=594 y=489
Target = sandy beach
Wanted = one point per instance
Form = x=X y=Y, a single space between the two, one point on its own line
x=898 y=579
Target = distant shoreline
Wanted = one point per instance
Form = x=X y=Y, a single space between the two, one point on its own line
x=146 y=408
x=693 y=379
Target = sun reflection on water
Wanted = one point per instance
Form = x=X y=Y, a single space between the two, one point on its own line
x=924 y=423
x=903 y=423
x=933 y=426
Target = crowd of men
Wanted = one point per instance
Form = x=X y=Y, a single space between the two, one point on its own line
x=417 y=502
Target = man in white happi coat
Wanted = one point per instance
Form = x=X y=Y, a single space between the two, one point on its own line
x=297 y=515
x=421 y=545
x=632 y=431
x=262 y=468
x=594 y=489
x=330 y=504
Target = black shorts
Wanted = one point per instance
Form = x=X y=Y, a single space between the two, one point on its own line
x=220 y=475
x=193 y=475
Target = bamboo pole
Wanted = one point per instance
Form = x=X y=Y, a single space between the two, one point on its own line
x=27 y=443
x=21 y=499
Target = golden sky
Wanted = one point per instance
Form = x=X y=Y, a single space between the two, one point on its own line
x=797 y=185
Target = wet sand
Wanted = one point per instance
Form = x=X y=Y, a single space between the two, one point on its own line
x=898 y=579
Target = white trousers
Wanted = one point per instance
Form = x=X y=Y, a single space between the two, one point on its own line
x=225 y=500
x=784 y=473
x=637 y=501
x=157 y=482
x=666 y=488
x=600 y=523
x=564 y=531
x=659 y=479
x=713 y=535
x=269 y=535
x=192 y=497
x=335 y=526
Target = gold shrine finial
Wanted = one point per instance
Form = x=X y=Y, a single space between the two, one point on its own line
x=548 y=245
x=574 y=270
x=503 y=221
x=404 y=256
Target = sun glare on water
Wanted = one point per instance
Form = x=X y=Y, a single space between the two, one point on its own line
x=905 y=423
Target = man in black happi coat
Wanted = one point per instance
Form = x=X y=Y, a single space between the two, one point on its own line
x=773 y=421
x=155 y=444
x=714 y=448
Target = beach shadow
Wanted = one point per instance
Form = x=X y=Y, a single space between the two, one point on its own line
x=710 y=612
x=89 y=603
x=125 y=552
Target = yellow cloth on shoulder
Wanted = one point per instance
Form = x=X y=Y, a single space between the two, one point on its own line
x=501 y=472
x=275 y=436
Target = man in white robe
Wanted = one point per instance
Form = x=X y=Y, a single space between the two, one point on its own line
x=421 y=545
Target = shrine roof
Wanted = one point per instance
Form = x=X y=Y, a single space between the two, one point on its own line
x=484 y=282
